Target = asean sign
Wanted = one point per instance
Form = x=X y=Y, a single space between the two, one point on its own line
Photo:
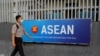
x=58 y=31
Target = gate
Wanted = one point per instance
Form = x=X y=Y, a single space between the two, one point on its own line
x=49 y=9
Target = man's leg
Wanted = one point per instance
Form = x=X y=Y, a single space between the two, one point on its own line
x=14 y=51
x=20 y=48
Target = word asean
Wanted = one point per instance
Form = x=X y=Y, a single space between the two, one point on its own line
x=57 y=29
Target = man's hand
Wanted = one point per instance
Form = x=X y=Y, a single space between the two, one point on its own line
x=13 y=45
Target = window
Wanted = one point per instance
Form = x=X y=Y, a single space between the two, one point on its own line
x=72 y=4
x=97 y=2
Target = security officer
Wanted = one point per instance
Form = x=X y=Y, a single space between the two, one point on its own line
x=17 y=32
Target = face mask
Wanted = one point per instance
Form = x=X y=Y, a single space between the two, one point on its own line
x=22 y=20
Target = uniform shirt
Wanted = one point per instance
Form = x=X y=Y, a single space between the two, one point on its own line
x=17 y=31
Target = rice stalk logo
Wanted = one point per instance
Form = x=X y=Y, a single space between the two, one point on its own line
x=34 y=29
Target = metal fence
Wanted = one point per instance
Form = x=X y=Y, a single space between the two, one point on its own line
x=49 y=9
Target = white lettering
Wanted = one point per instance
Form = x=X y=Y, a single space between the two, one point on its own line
x=70 y=29
x=50 y=29
x=44 y=30
x=57 y=29
x=63 y=30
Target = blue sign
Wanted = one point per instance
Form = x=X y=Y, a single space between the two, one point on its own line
x=57 y=31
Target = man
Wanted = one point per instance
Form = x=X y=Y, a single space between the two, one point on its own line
x=17 y=32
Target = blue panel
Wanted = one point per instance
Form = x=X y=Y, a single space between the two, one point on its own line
x=57 y=31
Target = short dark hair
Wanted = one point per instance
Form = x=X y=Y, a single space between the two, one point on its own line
x=17 y=17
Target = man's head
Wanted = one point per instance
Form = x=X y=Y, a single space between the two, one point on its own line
x=18 y=18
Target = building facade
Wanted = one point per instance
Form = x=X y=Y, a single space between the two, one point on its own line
x=49 y=9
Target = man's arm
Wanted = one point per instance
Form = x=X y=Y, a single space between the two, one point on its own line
x=14 y=29
x=27 y=34
x=13 y=40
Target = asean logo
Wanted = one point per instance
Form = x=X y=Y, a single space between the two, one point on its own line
x=34 y=29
